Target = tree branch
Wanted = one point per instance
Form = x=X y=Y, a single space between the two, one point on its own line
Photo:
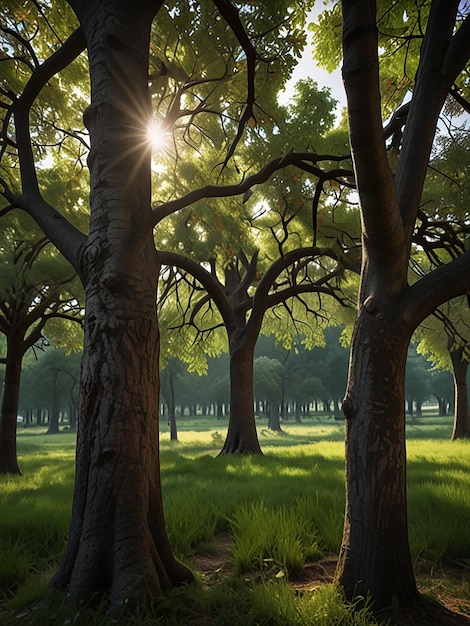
x=250 y=274
x=458 y=52
x=296 y=290
x=64 y=236
x=374 y=178
x=269 y=277
x=232 y=17
x=464 y=103
x=207 y=280
x=302 y=160
x=444 y=283
x=431 y=88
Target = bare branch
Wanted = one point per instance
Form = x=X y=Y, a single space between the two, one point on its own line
x=464 y=103
x=26 y=44
x=209 y=282
x=302 y=160
x=65 y=236
x=232 y=17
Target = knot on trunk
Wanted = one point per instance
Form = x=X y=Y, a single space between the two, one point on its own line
x=347 y=407
x=89 y=116
x=112 y=325
x=370 y=304
x=92 y=253
x=111 y=281
x=108 y=455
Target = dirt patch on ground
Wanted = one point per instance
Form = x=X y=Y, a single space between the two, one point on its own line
x=449 y=584
x=215 y=562
x=315 y=574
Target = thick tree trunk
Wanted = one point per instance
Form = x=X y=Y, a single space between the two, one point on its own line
x=242 y=436
x=375 y=557
x=118 y=542
x=9 y=408
x=462 y=414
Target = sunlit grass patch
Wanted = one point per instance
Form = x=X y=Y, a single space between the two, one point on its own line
x=266 y=537
x=191 y=521
x=439 y=498
x=276 y=604
x=36 y=510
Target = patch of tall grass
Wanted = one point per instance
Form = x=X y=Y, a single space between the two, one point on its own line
x=35 y=509
x=439 y=498
x=269 y=536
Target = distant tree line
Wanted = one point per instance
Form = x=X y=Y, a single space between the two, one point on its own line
x=289 y=385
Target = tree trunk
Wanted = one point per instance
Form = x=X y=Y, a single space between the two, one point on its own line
x=274 y=415
x=298 y=419
x=462 y=415
x=9 y=408
x=171 y=410
x=375 y=557
x=53 y=427
x=242 y=436
x=117 y=541
x=73 y=417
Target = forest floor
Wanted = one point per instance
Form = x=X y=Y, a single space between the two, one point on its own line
x=446 y=585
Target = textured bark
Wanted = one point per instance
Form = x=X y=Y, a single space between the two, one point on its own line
x=242 y=436
x=461 y=428
x=375 y=556
x=118 y=542
x=9 y=407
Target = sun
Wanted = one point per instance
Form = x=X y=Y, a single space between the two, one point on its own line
x=157 y=136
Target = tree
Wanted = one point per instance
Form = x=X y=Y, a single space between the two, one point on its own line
x=51 y=378
x=242 y=300
x=417 y=381
x=442 y=390
x=268 y=387
x=117 y=541
x=460 y=362
x=169 y=375
x=117 y=439
x=258 y=268
x=375 y=557
x=443 y=339
x=36 y=288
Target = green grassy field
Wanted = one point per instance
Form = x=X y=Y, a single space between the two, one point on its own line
x=258 y=520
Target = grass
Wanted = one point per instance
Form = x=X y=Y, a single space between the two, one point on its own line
x=278 y=511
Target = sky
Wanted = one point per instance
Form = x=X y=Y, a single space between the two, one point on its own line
x=307 y=68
